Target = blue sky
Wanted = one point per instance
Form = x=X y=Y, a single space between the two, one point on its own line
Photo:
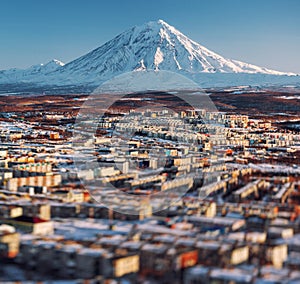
x=262 y=32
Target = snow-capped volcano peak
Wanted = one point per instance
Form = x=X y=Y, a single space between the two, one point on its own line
x=155 y=45
x=160 y=24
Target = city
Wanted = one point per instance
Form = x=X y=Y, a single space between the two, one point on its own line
x=158 y=195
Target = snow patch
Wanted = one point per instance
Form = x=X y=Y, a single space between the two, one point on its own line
x=158 y=58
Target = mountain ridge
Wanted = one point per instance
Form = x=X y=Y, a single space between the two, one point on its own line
x=155 y=45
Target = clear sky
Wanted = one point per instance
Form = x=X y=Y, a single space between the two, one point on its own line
x=262 y=32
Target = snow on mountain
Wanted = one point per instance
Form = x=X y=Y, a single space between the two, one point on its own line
x=152 y=46
x=31 y=74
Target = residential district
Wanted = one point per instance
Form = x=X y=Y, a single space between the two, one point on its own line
x=151 y=197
